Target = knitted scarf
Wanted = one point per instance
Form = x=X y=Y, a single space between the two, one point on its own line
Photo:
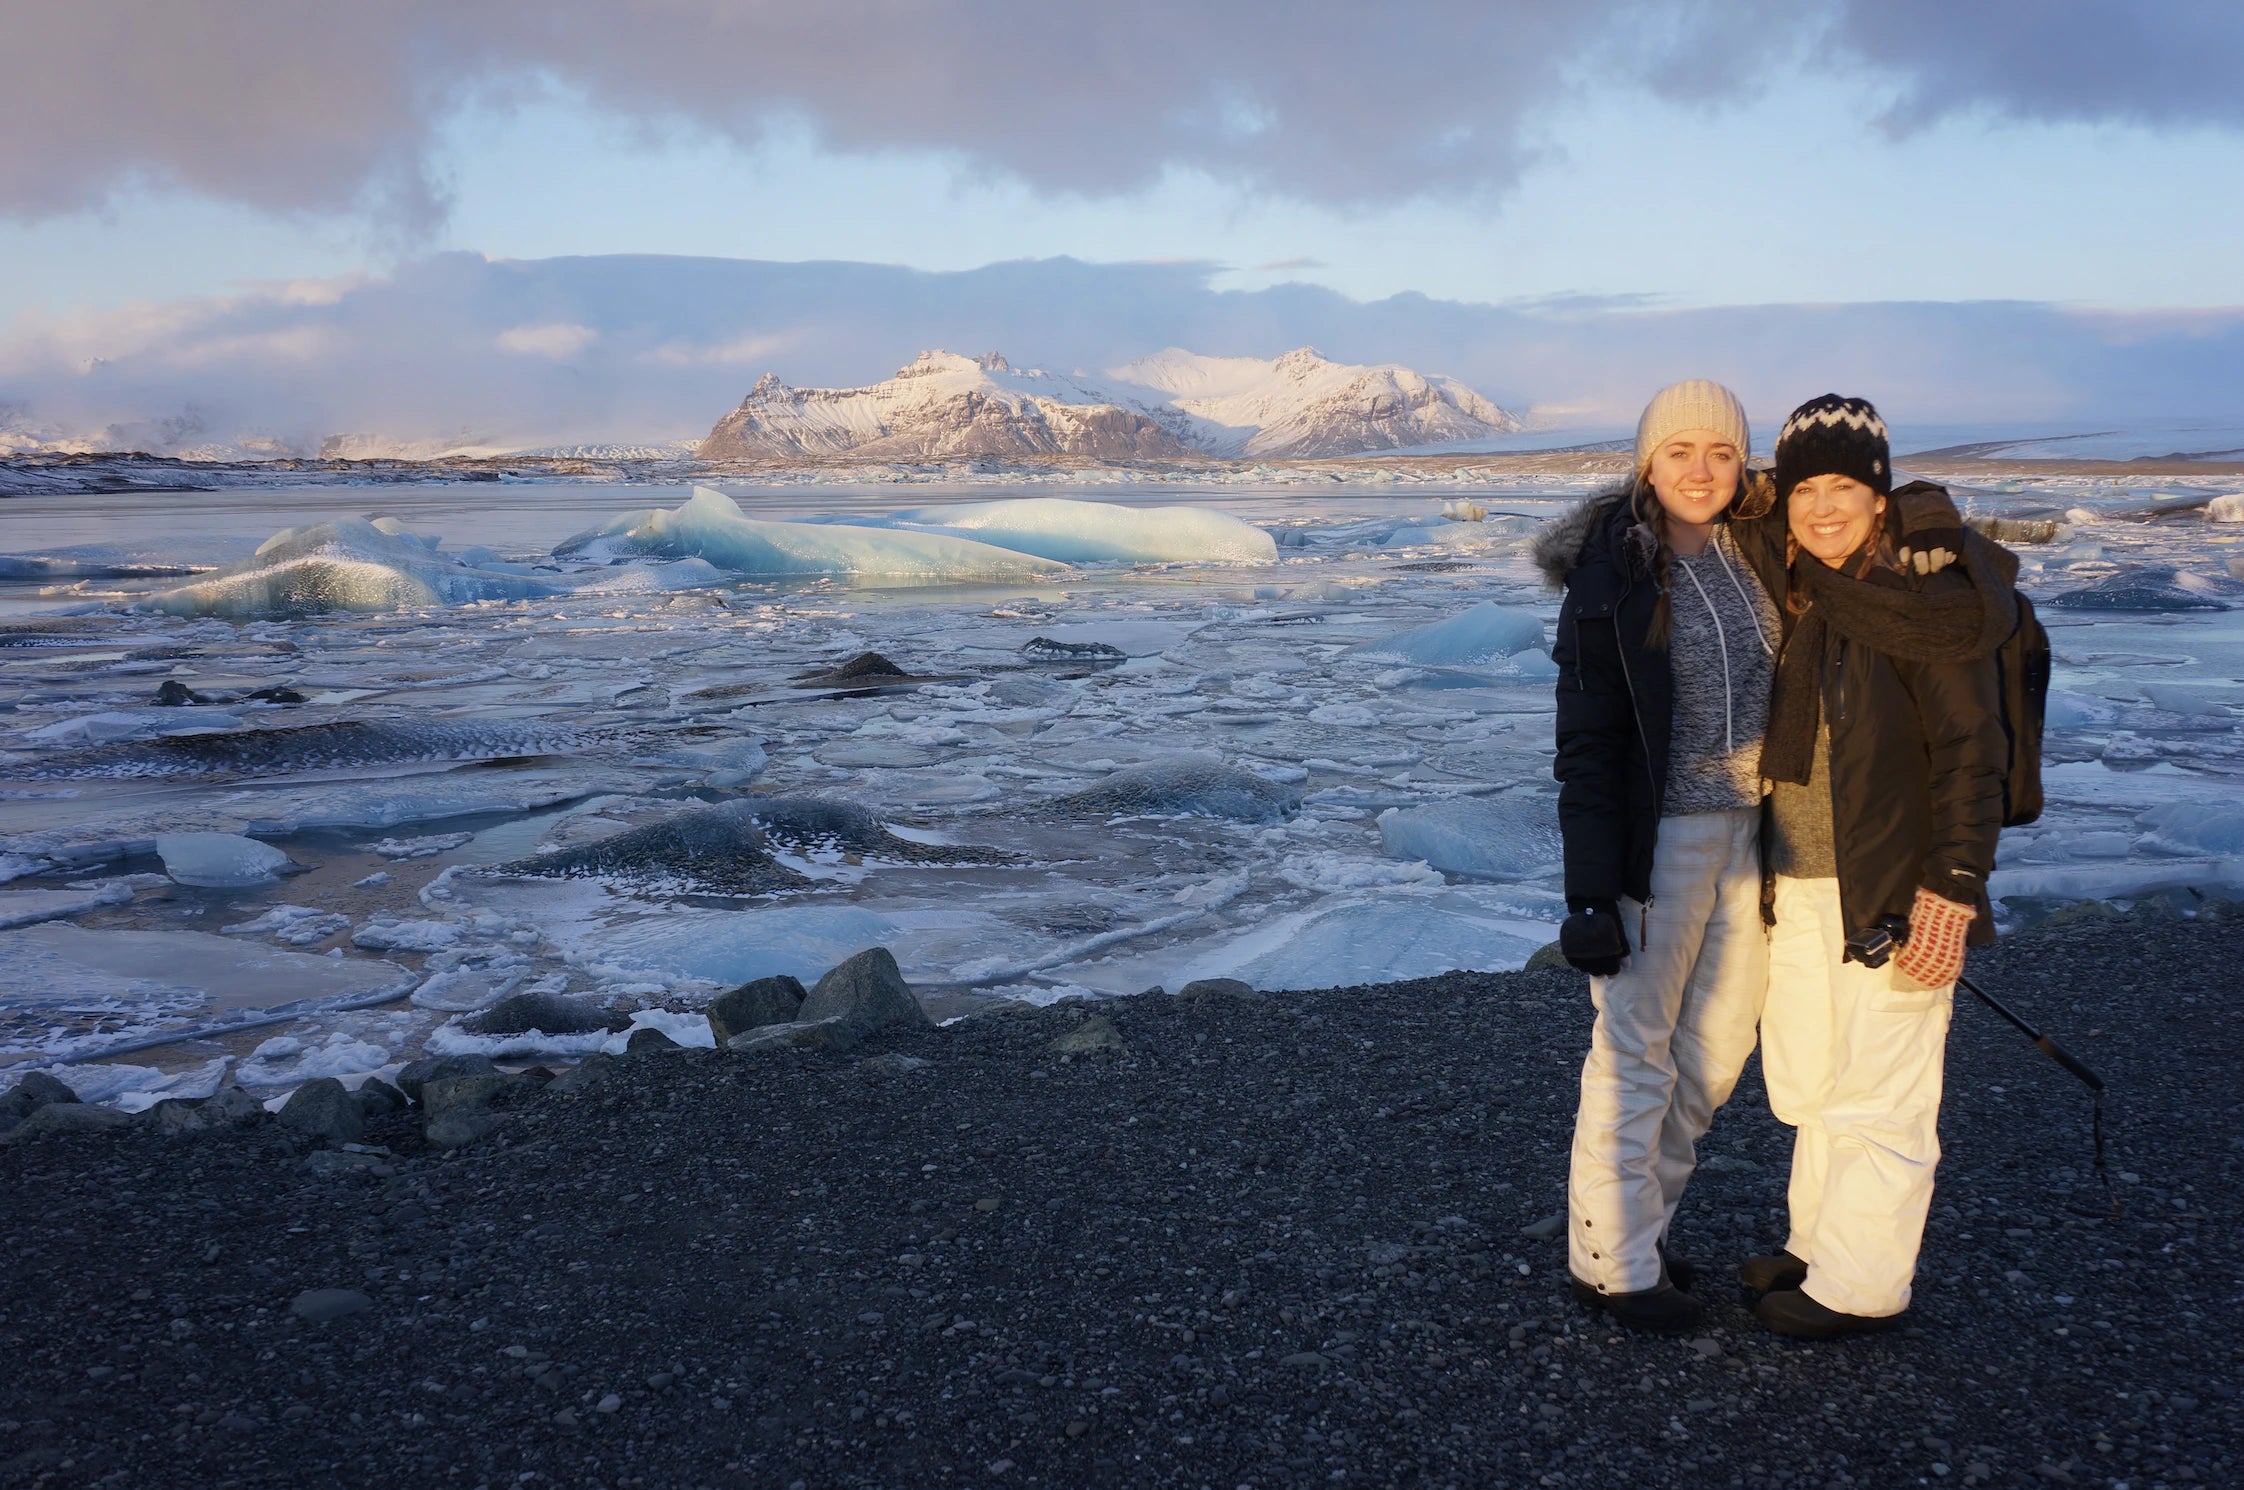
x=1955 y=626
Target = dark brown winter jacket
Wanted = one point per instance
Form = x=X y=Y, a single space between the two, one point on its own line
x=1918 y=752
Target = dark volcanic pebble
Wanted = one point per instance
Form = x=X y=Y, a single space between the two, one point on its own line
x=1275 y=1242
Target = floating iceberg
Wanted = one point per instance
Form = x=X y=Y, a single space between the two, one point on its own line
x=1512 y=837
x=218 y=860
x=655 y=579
x=1351 y=940
x=711 y=526
x=1484 y=634
x=2189 y=828
x=1093 y=532
x=348 y=565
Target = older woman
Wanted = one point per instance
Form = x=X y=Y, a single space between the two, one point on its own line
x=1887 y=749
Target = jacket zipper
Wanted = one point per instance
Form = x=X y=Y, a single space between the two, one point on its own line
x=1628 y=680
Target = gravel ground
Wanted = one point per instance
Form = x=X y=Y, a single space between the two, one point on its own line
x=1276 y=1242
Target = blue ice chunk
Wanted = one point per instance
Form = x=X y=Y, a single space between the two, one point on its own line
x=1481 y=635
x=348 y=565
x=711 y=526
x=1510 y=837
x=1074 y=532
x=2190 y=829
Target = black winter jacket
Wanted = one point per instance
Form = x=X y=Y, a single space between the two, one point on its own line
x=1917 y=760
x=1616 y=696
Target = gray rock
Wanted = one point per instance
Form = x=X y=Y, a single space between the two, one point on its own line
x=649 y=1038
x=547 y=1013
x=436 y=1067
x=753 y=1005
x=462 y=1126
x=328 y=1163
x=230 y=1107
x=319 y=1305
x=589 y=1072
x=1216 y=988
x=233 y=1107
x=868 y=993
x=1549 y=1228
x=454 y=1092
x=66 y=1117
x=1094 y=1036
x=377 y=1098
x=36 y=1090
x=175 y=1115
x=894 y=1063
x=835 y=1033
x=324 y=1108
x=1547 y=955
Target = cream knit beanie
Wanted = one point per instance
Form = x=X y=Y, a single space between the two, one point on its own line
x=1693 y=404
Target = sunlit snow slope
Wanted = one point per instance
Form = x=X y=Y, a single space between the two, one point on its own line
x=1173 y=403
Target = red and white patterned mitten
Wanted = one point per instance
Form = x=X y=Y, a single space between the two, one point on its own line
x=1934 y=953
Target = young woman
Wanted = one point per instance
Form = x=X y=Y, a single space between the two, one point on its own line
x=1887 y=750
x=1666 y=651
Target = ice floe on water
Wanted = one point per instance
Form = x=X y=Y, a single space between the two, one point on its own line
x=350 y=564
x=710 y=527
x=219 y=860
x=1072 y=532
x=1037 y=748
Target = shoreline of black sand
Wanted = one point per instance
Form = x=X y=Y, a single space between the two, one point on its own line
x=1277 y=1242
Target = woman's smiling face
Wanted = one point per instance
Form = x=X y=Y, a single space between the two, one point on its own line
x=1831 y=516
x=1695 y=473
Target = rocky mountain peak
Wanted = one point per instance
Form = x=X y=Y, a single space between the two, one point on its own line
x=1171 y=404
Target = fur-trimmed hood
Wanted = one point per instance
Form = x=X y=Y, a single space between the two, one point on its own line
x=1559 y=544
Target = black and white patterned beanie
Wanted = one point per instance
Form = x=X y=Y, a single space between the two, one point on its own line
x=1834 y=436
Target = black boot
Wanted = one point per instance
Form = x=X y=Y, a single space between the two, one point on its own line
x=1681 y=1271
x=1792 y=1312
x=1662 y=1309
x=1773 y=1274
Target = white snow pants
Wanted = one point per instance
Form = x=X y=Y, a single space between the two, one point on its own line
x=1674 y=1028
x=1853 y=1058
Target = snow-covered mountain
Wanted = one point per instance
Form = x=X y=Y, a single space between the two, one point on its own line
x=1300 y=404
x=943 y=404
x=1175 y=403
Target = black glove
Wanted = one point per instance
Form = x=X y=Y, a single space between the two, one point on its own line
x=1592 y=939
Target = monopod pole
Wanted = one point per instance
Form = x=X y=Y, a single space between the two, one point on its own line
x=2042 y=1042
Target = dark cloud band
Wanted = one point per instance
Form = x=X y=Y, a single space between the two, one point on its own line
x=333 y=106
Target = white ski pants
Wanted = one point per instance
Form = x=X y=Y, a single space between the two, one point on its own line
x=1674 y=1028
x=1853 y=1058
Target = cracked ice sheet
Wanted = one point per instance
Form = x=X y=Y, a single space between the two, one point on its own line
x=102 y=821
x=72 y=990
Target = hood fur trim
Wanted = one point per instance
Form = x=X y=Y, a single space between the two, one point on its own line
x=1558 y=545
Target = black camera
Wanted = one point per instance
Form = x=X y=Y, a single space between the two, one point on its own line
x=1873 y=945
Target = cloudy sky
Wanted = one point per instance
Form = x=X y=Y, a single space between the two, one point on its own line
x=165 y=166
